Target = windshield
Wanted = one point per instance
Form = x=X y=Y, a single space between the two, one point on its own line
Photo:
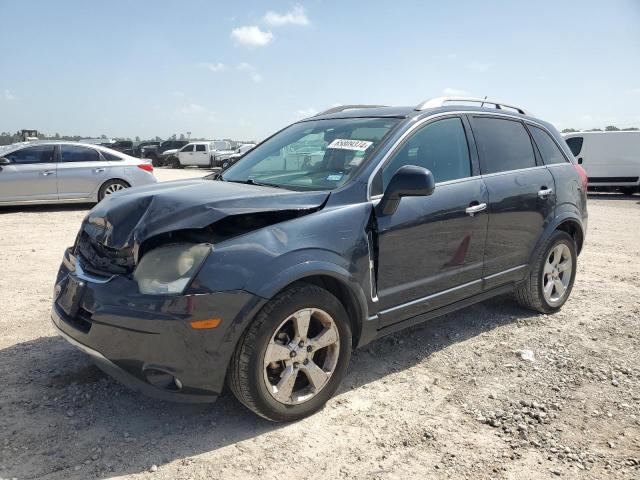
x=314 y=155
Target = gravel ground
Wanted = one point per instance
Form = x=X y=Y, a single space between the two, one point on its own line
x=492 y=391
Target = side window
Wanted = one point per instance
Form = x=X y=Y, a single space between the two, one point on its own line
x=74 y=153
x=187 y=148
x=37 y=154
x=200 y=148
x=575 y=145
x=503 y=145
x=110 y=156
x=550 y=152
x=440 y=146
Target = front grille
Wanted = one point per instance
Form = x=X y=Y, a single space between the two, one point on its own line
x=101 y=260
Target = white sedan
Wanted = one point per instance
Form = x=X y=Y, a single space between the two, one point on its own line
x=60 y=172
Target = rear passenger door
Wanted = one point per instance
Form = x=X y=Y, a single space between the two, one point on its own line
x=521 y=196
x=201 y=156
x=81 y=171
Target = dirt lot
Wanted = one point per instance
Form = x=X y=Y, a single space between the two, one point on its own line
x=449 y=399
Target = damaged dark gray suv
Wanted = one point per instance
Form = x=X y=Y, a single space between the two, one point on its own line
x=335 y=231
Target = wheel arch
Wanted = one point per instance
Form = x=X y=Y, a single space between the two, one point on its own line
x=573 y=228
x=567 y=223
x=332 y=278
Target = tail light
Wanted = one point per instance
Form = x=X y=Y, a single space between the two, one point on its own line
x=147 y=167
x=583 y=175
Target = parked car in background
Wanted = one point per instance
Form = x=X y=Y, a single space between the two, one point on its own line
x=51 y=172
x=159 y=153
x=611 y=159
x=200 y=154
x=265 y=277
x=225 y=160
x=124 y=146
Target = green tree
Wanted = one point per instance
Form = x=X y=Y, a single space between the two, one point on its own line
x=611 y=128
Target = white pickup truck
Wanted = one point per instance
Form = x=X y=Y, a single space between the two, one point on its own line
x=201 y=154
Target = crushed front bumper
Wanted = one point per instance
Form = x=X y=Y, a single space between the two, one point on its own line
x=146 y=341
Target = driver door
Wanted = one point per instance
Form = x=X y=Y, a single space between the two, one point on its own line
x=430 y=250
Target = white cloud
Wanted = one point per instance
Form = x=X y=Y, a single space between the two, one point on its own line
x=297 y=16
x=306 y=112
x=633 y=90
x=250 y=69
x=241 y=67
x=214 y=67
x=192 y=108
x=454 y=92
x=8 y=96
x=251 y=36
x=479 y=67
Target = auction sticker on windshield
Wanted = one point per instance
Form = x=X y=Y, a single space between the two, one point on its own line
x=346 y=144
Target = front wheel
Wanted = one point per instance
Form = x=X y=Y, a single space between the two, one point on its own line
x=552 y=275
x=293 y=356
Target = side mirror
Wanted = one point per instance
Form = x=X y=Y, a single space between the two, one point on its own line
x=408 y=181
x=4 y=161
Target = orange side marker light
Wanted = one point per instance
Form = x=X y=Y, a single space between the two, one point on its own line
x=203 y=324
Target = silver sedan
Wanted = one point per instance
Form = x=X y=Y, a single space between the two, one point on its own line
x=57 y=172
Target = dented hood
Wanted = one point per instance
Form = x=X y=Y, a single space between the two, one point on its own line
x=130 y=217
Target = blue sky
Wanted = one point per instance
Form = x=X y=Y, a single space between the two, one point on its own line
x=244 y=69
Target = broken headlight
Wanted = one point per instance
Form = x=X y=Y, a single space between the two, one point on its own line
x=170 y=269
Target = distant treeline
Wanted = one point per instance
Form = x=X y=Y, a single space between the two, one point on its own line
x=609 y=128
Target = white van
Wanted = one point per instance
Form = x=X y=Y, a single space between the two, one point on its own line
x=611 y=159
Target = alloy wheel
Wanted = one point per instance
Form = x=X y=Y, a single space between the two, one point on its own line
x=113 y=188
x=557 y=274
x=301 y=356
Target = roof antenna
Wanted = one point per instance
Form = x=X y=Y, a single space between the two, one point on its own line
x=482 y=104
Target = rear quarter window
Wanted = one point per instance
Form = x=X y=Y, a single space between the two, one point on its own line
x=549 y=150
x=575 y=145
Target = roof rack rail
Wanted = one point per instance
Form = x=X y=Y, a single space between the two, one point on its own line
x=342 y=108
x=440 y=101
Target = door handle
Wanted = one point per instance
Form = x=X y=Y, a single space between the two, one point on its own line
x=545 y=192
x=47 y=172
x=473 y=209
x=98 y=170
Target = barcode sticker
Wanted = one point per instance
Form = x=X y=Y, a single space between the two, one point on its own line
x=346 y=144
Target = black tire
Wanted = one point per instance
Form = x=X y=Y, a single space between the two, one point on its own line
x=110 y=185
x=245 y=376
x=175 y=163
x=530 y=293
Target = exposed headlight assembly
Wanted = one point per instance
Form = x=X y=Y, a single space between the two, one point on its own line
x=168 y=270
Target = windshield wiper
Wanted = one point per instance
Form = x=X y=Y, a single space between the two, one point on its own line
x=251 y=181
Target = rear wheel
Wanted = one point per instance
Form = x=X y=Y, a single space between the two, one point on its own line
x=112 y=186
x=551 y=279
x=293 y=356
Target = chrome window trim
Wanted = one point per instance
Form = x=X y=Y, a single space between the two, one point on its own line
x=421 y=122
